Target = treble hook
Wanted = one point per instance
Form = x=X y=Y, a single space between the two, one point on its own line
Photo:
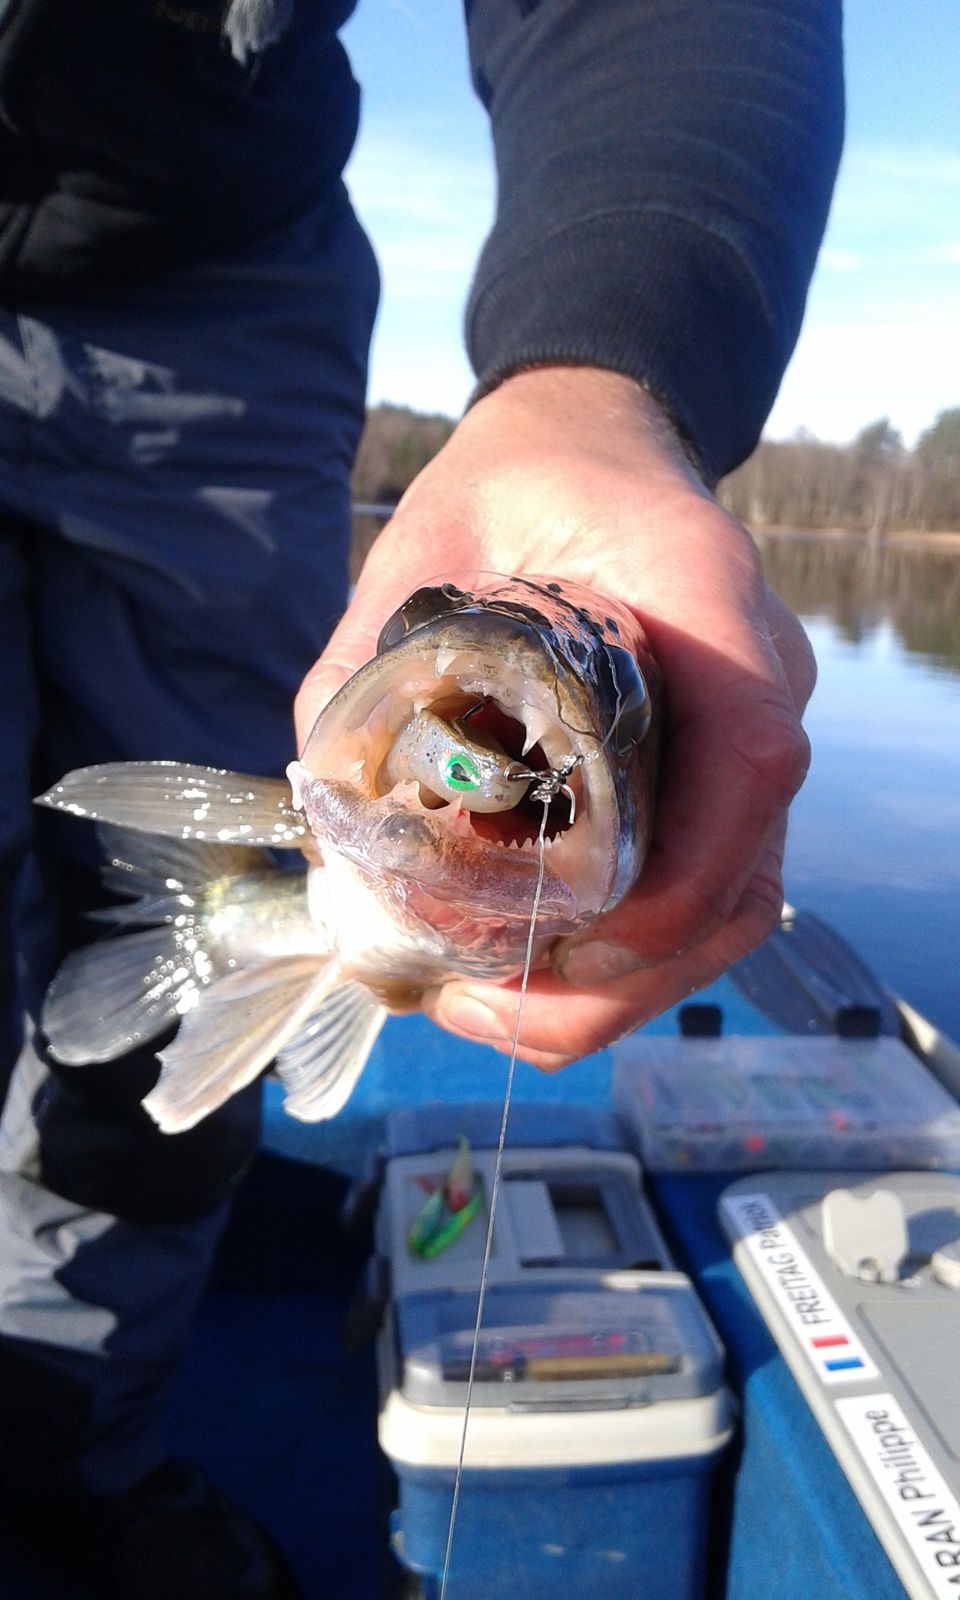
x=549 y=783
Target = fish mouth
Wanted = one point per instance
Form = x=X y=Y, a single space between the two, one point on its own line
x=540 y=779
x=512 y=692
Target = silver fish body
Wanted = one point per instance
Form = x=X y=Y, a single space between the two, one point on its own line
x=416 y=802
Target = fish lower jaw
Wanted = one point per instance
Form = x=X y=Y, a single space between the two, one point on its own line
x=481 y=832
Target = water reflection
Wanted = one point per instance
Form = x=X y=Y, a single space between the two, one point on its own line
x=860 y=584
x=873 y=841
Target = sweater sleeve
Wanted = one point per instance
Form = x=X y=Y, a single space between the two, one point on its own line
x=664 y=174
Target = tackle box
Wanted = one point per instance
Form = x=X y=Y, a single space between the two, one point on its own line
x=857 y=1277
x=741 y=1103
x=598 y=1408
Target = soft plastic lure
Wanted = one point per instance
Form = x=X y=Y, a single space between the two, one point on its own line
x=449 y=1208
x=451 y=763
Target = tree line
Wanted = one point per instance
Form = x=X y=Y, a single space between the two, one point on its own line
x=872 y=485
x=395 y=445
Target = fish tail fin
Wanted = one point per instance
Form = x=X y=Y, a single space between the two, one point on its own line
x=109 y=997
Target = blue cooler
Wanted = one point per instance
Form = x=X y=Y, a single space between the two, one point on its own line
x=598 y=1409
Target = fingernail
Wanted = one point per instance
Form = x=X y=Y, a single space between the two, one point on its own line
x=597 y=962
x=464 y=1011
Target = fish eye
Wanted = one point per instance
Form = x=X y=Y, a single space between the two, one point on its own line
x=460 y=772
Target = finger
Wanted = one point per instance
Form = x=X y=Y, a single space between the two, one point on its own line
x=352 y=643
x=388 y=577
x=354 y=640
x=792 y=646
x=559 y=1024
x=734 y=756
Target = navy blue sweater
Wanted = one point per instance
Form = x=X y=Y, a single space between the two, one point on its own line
x=664 y=170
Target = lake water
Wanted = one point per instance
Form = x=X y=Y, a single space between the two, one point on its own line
x=874 y=843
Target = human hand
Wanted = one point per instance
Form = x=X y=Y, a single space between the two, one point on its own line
x=574 y=472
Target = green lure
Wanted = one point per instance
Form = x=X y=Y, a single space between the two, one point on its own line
x=448 y=1209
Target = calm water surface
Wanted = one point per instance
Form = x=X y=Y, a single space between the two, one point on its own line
x=874 y=845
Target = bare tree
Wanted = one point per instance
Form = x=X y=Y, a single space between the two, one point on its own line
x=871 y=485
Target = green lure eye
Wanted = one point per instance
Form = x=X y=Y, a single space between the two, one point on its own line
x=460 y=772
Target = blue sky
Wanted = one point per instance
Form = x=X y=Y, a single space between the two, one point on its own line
x=882 y=333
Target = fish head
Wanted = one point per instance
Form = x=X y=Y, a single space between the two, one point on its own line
x=430 y=769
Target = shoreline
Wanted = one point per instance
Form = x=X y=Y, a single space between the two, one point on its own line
x=918 y=537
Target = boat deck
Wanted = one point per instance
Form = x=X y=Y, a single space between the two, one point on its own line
x=272 y=1406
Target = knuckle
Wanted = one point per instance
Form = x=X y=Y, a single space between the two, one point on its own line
x=700 y=909
x=776 y=753
x=758 y=912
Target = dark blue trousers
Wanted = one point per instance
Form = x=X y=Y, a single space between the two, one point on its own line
x=174 y=526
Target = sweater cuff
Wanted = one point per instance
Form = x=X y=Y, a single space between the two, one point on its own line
x=633 y=291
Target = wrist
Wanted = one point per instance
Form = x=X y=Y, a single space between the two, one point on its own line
x=606 y=411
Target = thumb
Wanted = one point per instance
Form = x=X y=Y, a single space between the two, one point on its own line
x=352 y=643
x=383 y=585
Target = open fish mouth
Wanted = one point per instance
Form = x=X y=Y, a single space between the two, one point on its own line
x=435 y=761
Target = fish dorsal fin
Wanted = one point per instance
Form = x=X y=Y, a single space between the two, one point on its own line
x=320 y=1066
x=238 y=1025
x=182 y=802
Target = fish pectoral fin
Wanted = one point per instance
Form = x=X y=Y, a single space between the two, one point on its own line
x=320 y=1066
x=236 y=1028
x=107 y=998
x=182 y=801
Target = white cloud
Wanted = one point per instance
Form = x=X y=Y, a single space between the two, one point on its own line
x=943 y=254
x=846 y=374
x=930 y=166
x=410 y=14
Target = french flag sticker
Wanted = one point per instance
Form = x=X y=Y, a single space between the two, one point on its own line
x=842 y=1362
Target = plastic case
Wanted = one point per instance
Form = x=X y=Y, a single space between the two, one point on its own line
x=734 y=1103
x=858 y=1279
x=598 y=1407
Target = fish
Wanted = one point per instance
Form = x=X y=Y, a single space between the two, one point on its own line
x=497 y=723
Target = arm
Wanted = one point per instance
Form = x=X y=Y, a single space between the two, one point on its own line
x=567 y=464
x=665 y=169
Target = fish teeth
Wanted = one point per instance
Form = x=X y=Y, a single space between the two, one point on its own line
x=297 y=776
x=407 y=791
x=537 y=723
x=458 y=823
x=445 y=656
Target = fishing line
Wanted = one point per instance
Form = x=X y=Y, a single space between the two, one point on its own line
x=545 y=799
